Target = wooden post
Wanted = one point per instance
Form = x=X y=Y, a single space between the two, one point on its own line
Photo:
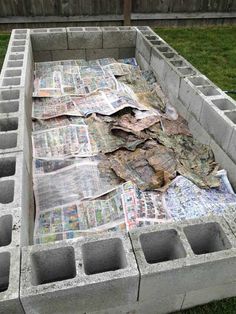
x=127 y=12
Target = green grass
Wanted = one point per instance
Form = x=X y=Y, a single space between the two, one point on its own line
x=212 y=50
x=4 y=38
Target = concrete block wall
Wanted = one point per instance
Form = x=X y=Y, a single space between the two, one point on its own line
x=210 y=112
x=114 y=273
x=78 y=276
x=16 y=192
x=194 y=260
x=52 y=44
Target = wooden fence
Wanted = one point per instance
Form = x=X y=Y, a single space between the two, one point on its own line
x=40 y=11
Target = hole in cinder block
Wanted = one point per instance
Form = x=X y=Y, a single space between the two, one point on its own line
x=170 y=55
x=157 y=42
x=207 y=238
x=6 y=191
x=15 y=57
x=7 y=167
x=52 y=265
x=55 y=30
x=18 y=43
x=8 y=140
x=92 y=29
x=209 y=91
x=103 y=256
x=9 y=94
x=17 y=49
x=231 y=116
x=5 y=230
x=8 y=124
x=186 y=71
x=14 y=64
x=151 y=37
x=199 y=81
x=9 y=106
x=162 y=246
x=76 y=29
x=20 y=37
x=13 y=81
x=224 y=104
x=12 y=73
x=164 y=49
x=178 y=63
x=20 y=31
x=40 y=30
x=4 y=270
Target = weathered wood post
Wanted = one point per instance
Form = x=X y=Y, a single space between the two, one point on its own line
x=127 y=12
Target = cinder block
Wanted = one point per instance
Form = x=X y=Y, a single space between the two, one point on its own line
x=174 y=259
x=225 y=161
x=157 y=64
x=231 y=149
x=141 y=61
x=119 y=37
x=10 y=281
x=189 y=96
x=126 y=53
x=144 y=47
x=55 y=38
x=43 y=56
x=78 y=276
x=84 y=38
x=216 y=123
x=68 y=54
x=203 y=296
x=14 y=102
x=181 y=109
x=154 y=306
x=92 y=54
x=198 y=131
x=15 y=136
x=19 y=61
x=16 y=191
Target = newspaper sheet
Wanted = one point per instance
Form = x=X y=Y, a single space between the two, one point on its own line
x=185 y=200
x=40 y=125
x=61 y=182
x=123 y=209
x=103 y=102
x=65 y=141
x=77 y=77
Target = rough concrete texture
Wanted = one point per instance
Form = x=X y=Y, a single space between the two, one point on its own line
x=216 y=123
x=119 y=37
x=78 y=276
x=58 y=55
x=17 y=70
x=84 y=38
x=10 y=281
x=141 y=61
x=174 y=259
x=203 y=296
x=92 y=54
x=144 y=47
x=16 y=192
x=154 y=306
x=43 y=38
x=188 y=94
x=198 y=131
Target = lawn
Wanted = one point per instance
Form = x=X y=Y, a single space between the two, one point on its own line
x=4 y=38
x=213 y=51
